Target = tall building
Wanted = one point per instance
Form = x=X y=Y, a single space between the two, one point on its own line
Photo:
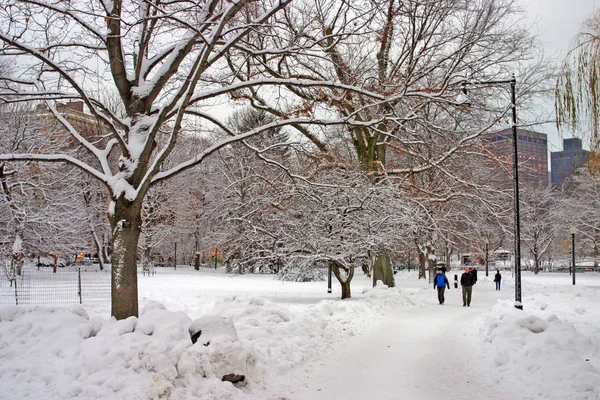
x=533 y=155
x=565 y=163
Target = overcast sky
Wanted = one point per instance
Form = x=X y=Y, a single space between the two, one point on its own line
x=557 y=22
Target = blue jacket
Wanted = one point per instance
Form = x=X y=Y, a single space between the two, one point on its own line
x=435 y=281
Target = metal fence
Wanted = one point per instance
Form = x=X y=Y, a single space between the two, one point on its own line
x=69 y=285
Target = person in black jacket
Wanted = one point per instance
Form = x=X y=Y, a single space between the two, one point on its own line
x=474 y=273
x=440 y=282
x=467 y=282
x=497 y=279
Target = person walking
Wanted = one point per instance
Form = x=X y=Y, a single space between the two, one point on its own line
x=497 y=279
x=474 y=273
x=467 y=282
x=440 y=282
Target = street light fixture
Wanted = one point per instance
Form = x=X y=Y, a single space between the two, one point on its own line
x=516 y=213
x=573 y=231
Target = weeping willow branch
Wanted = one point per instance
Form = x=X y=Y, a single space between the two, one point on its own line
x=577 y=101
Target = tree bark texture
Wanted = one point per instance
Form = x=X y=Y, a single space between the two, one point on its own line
x=126 y=226
x=382 y=269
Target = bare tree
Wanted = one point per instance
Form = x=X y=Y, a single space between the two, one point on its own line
x=581 y=208
x=418 y=54
x=540 y=215
x=341 y=219
x=166 y=60
x=40 y=208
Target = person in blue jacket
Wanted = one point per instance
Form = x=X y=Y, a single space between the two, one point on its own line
x=440 y=282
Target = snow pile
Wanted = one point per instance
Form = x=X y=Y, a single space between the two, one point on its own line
x=554 y=342
x=62 y=353
x=50 y=352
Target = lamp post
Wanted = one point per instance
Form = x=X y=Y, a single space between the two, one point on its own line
x=175 y=255
x=516 y=212
x=573 y=232
x=486 y=259
x=329 y=279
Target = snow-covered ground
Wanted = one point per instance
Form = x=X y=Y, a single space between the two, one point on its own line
x=295 y=341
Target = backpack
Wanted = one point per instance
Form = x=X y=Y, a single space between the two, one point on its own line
x=439 y=280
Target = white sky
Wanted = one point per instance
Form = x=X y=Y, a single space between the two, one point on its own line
x=557 y=22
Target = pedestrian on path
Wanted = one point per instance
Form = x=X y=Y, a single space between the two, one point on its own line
x=440 y=282
x=497 y=279
x=467 y=282
x=474 y=273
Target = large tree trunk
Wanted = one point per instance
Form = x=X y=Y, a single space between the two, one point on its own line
x=371 y=151
x=536 y=263
x=343 y=280
x=382 y=269
x=126 y=224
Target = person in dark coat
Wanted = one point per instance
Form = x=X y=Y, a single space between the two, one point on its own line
x=474 y=273
x=440 y=282
x=497 y=279
x=467 y=282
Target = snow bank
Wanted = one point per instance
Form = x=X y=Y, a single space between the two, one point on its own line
x=51 y=353
x=554 y=342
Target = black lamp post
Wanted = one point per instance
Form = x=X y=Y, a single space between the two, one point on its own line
x=486 y=259
x=329 y=279
x=573 y=232
x=175 y=256
x=516 y=212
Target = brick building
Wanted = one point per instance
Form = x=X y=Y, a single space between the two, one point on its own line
x=533 y=156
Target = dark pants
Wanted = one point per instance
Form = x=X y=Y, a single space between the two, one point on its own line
x=498 y=285
x=467 y=290
x=441 y=290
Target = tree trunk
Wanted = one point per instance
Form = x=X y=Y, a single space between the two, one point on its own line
x=421 y=265
x=345 y=290
x=55 y=257
x=536 y=263
x=430 y=261
x=344 y=281
x=382 y=269
x=126 y=224
x=105 y=249
x=18 y=255
x=98 y=249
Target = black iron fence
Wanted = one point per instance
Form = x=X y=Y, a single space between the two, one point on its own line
x=41 y=286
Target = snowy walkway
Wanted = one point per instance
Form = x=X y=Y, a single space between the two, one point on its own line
x=398 y=359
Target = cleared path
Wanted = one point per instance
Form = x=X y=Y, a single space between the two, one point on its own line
x=399 y=359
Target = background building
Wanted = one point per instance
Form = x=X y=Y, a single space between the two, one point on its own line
x=533 y=156
x=565 y=163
